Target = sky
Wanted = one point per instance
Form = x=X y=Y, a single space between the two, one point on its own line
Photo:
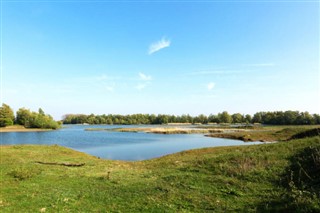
x=161 y=57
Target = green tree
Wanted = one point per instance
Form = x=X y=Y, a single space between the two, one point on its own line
x=6 y=116
x=316 y=118
x=36 y=119
x=306 y=118
x=257 y=117
x=201 y=119
x=91 y=119
x=237 y=118
x=24 y=117
x=67 y=119
x=153 y=119
x=163 y=119
x=248 y=119
x=224 y=117
x=41 y=112
x=43 y=121
x=290 y=117
x=213 y=118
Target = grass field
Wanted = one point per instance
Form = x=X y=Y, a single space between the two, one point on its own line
x=277 y=177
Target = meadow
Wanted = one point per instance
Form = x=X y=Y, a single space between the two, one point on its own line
x=275 y=177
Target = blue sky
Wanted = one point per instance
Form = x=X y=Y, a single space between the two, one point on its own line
x=160 y=57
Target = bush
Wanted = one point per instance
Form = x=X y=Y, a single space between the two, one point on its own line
x=5 y=122
x=36 y=120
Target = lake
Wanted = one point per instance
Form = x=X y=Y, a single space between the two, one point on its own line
x=117 y=145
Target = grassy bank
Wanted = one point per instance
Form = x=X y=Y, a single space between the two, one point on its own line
x=271 y=177
x=244 y=133
x=159 y=130
x=20 y=128
x=268 y=133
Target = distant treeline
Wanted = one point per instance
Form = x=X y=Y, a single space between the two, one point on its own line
x=26 y=118
x=275 y=118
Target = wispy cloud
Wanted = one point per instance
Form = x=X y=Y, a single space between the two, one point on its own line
x=156 y=46
x=110 y=88
x=94 y=79
x=141 y=86
x=211 y=72
x=238 y=69
x=145 y=80
x=260 y=65
x=210 y=86
x=144 y=77
x=100 y=77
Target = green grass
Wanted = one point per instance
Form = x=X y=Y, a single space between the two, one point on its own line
x=265 y=178
x=244 y=133
x=268 y=133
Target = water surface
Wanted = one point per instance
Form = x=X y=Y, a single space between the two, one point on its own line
x=117 y=145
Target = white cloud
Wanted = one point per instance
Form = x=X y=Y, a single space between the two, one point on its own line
x=145 y=80
x=156 y=46
x=145 y=77
x=141 y=86
x=210 y=86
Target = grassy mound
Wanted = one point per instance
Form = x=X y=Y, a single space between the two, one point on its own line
x=271 y=133
x=307 y=133
x=265 y=178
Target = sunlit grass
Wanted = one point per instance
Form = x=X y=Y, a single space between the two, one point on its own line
x=224 y=179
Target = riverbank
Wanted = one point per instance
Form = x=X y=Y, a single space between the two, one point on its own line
x=258 y=178
x=19 y=128
x=263 y=134
x=166 y=130
x=269 y=133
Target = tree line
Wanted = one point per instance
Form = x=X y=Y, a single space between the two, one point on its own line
x=26 y=118
x=274 y=118
x=39 y=119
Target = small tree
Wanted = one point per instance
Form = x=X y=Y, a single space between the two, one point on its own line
x=224 y=117
x=258 y=117
x=24 y=117
x=41 y=112
x=237 y=118
x=6 y=116
x=248 y=118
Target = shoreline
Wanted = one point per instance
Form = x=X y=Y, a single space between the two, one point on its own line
x=22 y=129
x=161 y=130
x=230 y=133
x=240 y=138
x=276 y=133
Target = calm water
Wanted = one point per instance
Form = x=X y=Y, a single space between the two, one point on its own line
x=116 y=145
